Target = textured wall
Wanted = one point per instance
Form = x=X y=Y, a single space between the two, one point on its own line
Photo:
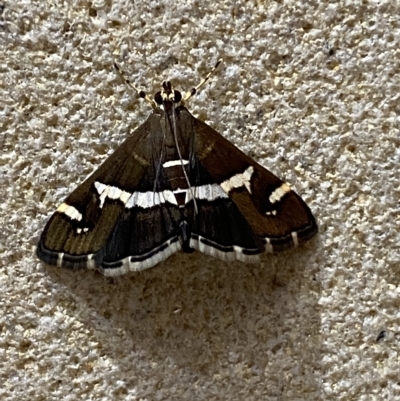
x=310 y=90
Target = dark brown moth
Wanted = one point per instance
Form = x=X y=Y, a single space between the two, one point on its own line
x=174 y=184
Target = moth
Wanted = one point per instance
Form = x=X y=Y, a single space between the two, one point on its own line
x=175 y=184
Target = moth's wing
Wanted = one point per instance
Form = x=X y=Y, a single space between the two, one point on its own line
x=271 y=214
x=95 y=228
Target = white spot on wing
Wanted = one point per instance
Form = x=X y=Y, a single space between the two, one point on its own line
x=268 y=246
x=90 y=264
x=279 y=193
x=114 y=193
x=239 y=180
x=101 y=188
x=108 y=191
x=143 y=199
x=169 y=197
x=210 y=192
x=295 y=238
x=60 y=258
x=149 y=199
x=173 y=163
x=271 y=213
x=70 y=211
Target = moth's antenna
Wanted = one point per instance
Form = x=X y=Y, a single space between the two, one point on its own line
x=194 y=90
x=141 y=93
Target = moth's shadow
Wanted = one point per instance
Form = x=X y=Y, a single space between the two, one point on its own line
x=198 y=313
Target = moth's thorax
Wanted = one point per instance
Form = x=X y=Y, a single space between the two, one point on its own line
x=173 y=126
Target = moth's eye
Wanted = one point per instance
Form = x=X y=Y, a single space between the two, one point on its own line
x=177 y=96
x=158 y=98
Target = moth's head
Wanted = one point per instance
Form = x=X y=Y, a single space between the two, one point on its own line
x=168 y=96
